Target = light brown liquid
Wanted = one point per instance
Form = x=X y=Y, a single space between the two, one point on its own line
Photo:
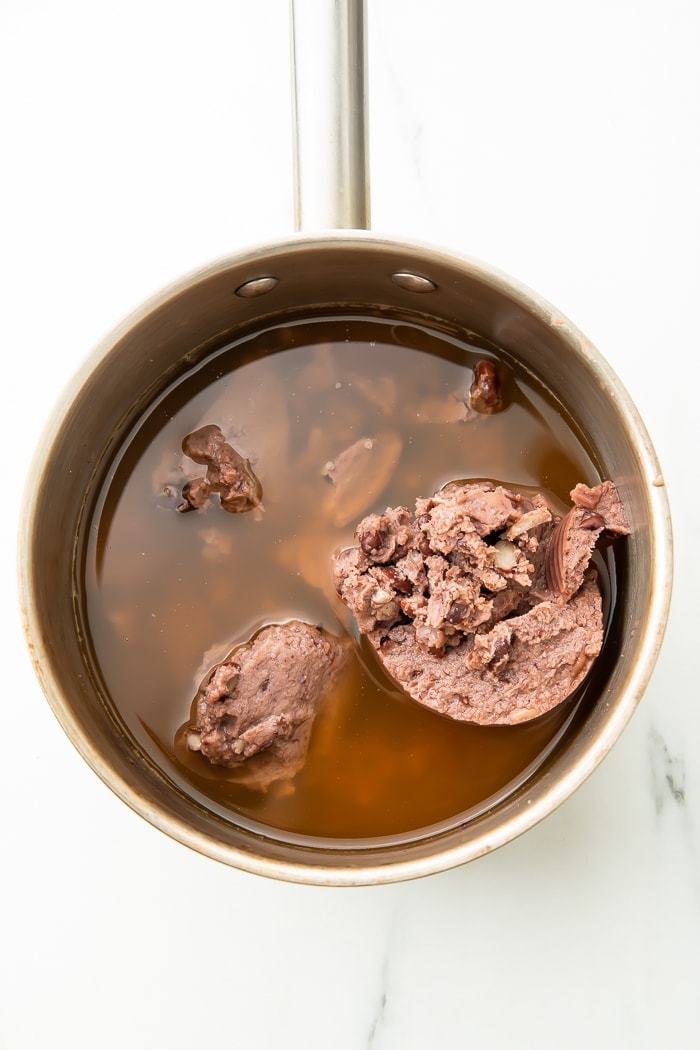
x=167 y=595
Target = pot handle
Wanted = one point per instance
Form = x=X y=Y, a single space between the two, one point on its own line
x=329 y=91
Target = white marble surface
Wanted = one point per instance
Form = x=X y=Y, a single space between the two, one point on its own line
x=557 y=141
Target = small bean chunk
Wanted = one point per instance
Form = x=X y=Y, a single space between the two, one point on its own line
x=485 y=391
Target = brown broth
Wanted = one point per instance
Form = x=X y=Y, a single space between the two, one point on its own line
x=167 y=595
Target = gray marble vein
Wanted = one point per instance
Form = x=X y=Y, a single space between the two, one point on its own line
x=668 y=782
x=377 y=1021
x=379 y=1017
x=668 y=777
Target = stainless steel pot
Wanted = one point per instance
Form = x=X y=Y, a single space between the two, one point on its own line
x=345 y=265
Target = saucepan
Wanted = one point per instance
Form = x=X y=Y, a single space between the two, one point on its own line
x=341 y=264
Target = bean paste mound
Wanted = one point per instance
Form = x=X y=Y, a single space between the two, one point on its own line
x=483 y=604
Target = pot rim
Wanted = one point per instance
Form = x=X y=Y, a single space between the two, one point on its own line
x=532 y=810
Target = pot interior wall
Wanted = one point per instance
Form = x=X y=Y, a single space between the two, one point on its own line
x=170 y=334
